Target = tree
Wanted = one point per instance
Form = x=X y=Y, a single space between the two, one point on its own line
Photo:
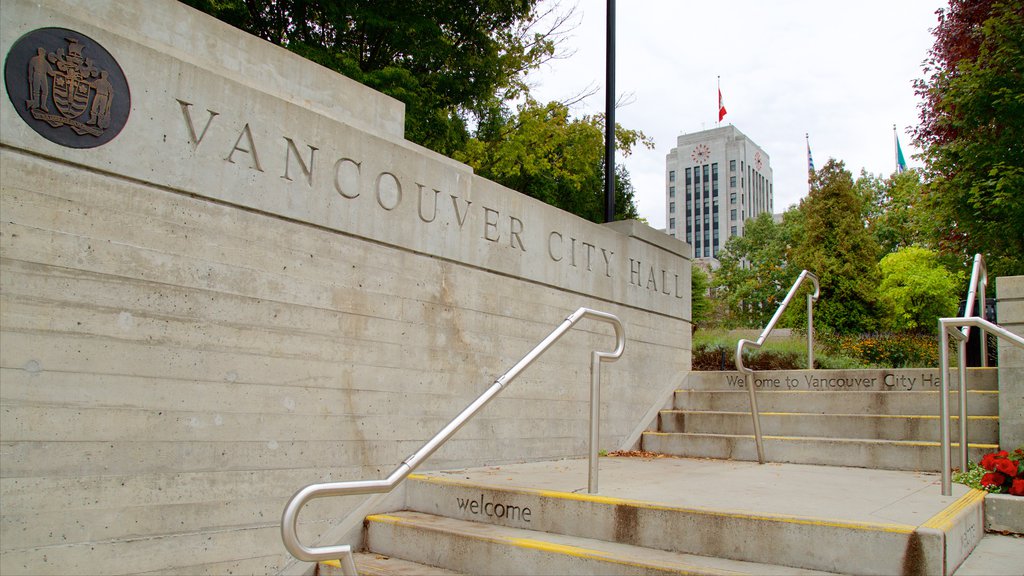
x=700 y=305
x=447 y=60
x=897 y=215
x=456 y=64
x=916 y=290
x=971 y=130
x=545 y=153
x=838 y=248
x=755 y=273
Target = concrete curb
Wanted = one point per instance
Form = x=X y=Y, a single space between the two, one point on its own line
x=1004 y=513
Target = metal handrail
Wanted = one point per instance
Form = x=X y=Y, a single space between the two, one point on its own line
x=947 y=329
x=289 y=519
x=811 y=298
x=979 y=278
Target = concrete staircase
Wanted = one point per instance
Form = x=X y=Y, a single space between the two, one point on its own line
x=483 y=521
x=872 y=419
x=873 y=508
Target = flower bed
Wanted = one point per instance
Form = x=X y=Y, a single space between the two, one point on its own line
x=999 y=472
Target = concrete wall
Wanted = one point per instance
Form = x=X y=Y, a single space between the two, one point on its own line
x=258 y=284
x=1010 y=311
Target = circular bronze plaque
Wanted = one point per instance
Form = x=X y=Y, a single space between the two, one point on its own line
x=67 y=87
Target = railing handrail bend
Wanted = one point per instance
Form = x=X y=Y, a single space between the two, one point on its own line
x=289 y=519
x=947 y=328
x=811 y=299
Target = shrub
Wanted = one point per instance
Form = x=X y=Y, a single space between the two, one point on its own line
x=887 y=350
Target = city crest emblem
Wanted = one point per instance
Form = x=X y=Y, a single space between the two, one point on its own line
x=67 y=87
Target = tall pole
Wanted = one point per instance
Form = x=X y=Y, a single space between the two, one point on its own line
x=896 y=148
x=609 y=117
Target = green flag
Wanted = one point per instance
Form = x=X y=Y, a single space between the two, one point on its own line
x=901 y=164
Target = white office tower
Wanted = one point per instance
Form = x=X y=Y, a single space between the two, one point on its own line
x=714 y=181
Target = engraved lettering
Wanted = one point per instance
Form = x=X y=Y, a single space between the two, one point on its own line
x=389 y=191
x=491 y=226
x=664 y=282
x=346 y=177
x=572 y=252
x=551 y=247
x=607 y=262
x=306 y=169
x=251 y=150
x=492 y=509
x=590 y=251
x=515 y=230
x=678 y=293
x=634 y=272
x=192 y=138
x=434 y=214
x=460 y=216
x=652 y=281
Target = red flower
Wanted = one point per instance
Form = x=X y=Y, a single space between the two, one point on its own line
x=988 y=462
x=993 y=479
x=1007 y=467
x=1017 y=489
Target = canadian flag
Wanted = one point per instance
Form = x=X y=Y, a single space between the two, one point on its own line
x=721 y=106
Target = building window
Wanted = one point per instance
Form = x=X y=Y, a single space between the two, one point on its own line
x=732 y=181
x=688 y=181
x=732 y=231
x=671 y=191
x=672 y=207
x=672 y=223
x=671 y=175
x=732 y=165
x=714 y=170
x=732 y=198
x=732 y=214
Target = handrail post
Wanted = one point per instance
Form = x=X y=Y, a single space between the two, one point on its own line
x=947 y=329
x=947 y=489
x=810 y=329
x=811 y=298
x=290 y=516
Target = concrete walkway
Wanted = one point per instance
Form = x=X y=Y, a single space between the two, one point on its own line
x=825 y=493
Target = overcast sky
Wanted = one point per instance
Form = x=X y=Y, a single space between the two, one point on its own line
x=840 y=71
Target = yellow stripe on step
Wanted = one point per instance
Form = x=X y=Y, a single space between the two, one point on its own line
x=944 y=520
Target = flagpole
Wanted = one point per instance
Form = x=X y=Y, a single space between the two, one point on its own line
x=718 y=112
x=896 y=148
x=810 y=161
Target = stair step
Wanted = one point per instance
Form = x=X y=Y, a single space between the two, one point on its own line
x=370 y=564
x=880 y=454
x=979 y=403
x=478 y=548
x=981 y=429
x=801 y=542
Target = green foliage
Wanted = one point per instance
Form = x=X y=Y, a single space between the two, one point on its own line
x=445 y=59
x=838 y=248
x=972 y=126
x=896 y=211
x=754 y=275
x=916 y=290
x=455 y=64
x=545 y=153
x=700 y=306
